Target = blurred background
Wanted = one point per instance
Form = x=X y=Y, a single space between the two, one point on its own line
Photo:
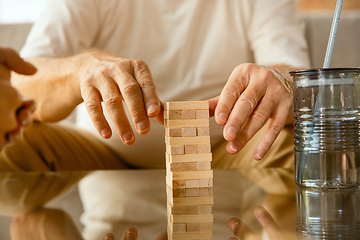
x=21 y=11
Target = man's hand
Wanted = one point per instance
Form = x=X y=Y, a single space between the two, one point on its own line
x=252 y=97
x=111 y=79
x=16 y=112
x=241 y=231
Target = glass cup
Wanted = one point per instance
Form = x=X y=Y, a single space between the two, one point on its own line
x=327 y=213
x=327 y=127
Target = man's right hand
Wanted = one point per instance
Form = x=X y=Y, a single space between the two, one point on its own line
x=110 y=79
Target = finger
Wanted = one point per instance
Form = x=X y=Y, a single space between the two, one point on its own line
x=4 y=73
x=113 y=102
x=11 y=59
x=213 y=102
x=160 y=117
x=267 y=221
x=130 y=234
x=273 y=128
x=143 y=76
x=108 y=236
x=241 y=230
x=254 y=123
x=243 y=108
x=163 y=236
x=92 y=101
x=133 y=97
x=229 y=95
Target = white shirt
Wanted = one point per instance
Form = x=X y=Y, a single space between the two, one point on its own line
x=190 y=46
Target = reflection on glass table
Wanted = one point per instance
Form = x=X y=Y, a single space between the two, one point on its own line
x=50 y=206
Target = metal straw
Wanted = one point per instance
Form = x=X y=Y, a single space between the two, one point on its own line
x=319 y=97
x=333 y=32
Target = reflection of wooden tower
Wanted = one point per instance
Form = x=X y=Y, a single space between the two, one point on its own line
x=189 y=176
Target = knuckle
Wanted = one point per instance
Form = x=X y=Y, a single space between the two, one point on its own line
x=260 y=116
x=232 y=92
x=91 y=106
x=112 y=100
x=130 y=89
x=246 y=67
x=276 y=128
x=248 y=103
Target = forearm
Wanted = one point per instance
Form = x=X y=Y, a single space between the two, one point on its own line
x=54 y=87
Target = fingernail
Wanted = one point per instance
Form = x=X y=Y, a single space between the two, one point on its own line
x=261 y=213
x=235 y=145
x=142 y=126
x=260 y=154
x=105 y=132
x=108 y=238
x=24 y=122
x=128 y=137
x=131 y=235
x=223 y=117
x=152 y=108
x=234 y=226
x=232 y=132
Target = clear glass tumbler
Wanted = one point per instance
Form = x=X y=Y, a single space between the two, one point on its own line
x=327 y=127
x=330 y=214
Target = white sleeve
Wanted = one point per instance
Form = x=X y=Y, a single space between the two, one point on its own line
x=64 y=28
x=276 y=34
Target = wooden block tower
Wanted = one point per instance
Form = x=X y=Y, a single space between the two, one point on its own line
x=189 y=176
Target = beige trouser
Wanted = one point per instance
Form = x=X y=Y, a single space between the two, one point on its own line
x=48 y=147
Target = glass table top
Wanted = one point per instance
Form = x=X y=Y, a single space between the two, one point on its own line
x=86 y=205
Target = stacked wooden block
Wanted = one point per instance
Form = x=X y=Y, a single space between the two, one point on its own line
x=189 y=176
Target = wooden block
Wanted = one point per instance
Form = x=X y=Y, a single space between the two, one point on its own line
x=187 y=105
x=193 y=227
x=203 y=166
x=191 y=201
x=192 y=192
x=173 y=132
x=189 y=192
x=204 y=148
x=191 y=175
x=191 y=166
x=180 y=192
x=190 y=210
x=206 y=226
x=189 y=132
x=175 y=184
x=206 y=182
x=206 y=191
x=188 y=114
x=196 y=218
x=202 y=140
x=178 y=210
x=186 y=123
x=180 y=227
x=175 y=114
x=201 y=157
x=177 y=167
x=193 y=183
x=199 y=114
x=202 y=131
x=176 y=150
x=190 y=235
x=190 y=149
x=205 y=209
